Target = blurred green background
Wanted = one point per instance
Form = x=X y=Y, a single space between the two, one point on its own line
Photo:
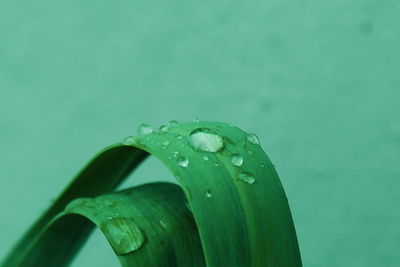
x=318 y=81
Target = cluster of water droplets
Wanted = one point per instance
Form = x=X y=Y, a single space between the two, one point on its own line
x=205 y=140
x=145 y=128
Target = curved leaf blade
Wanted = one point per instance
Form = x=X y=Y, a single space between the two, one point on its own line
x=238 y=203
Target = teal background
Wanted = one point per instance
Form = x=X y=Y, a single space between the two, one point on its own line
x=317 y=81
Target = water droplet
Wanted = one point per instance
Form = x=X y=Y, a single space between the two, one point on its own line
x=173 y=123
x=164 y=128
x=217 y=164
x=196 y=119
x=144 y=128
x=236 y=159
x=166 y=143
x=205 y=158
x=123 y=234
x=206 y=140
x=262 y=165
x=179 y=136
x=246 y=177
x=182 y=161
x=208 y=193
x=252 y=138
x=129 y=140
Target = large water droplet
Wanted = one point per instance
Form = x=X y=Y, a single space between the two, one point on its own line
x=144 y=128
x=182 y=161
x=246 y=177
x=206 y=140
x=236 y=159
x=208 y=193
x=252 y=138
x=123 y=234
x=205 y=158
x=129 y=140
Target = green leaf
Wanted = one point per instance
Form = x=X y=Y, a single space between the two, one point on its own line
x=239 y=206
x=139 y=223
